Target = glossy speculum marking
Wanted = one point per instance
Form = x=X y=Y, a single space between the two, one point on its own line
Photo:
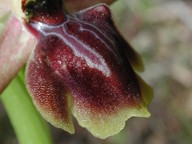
x=82 y=66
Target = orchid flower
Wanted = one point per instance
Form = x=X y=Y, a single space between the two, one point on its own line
x=81 y=66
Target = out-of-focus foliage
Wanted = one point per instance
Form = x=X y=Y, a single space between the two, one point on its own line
x=161 y=30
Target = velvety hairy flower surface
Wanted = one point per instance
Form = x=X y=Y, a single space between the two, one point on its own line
x=83 y=67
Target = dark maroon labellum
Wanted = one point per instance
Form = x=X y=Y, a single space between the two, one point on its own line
x=76 y=5
x=82 y=65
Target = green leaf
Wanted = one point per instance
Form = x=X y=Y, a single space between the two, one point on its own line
x=30 y=128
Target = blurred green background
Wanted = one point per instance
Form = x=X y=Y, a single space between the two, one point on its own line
x=161 y=31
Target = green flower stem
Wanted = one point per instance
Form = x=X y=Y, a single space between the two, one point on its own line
x=29 y=127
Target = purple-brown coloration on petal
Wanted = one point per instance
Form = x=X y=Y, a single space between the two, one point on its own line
x=48 y=90
x=76 y=5
x=83 y=66
x=98 y=17
x=15 y=46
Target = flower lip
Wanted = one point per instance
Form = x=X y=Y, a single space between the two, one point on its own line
x=63 y=82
